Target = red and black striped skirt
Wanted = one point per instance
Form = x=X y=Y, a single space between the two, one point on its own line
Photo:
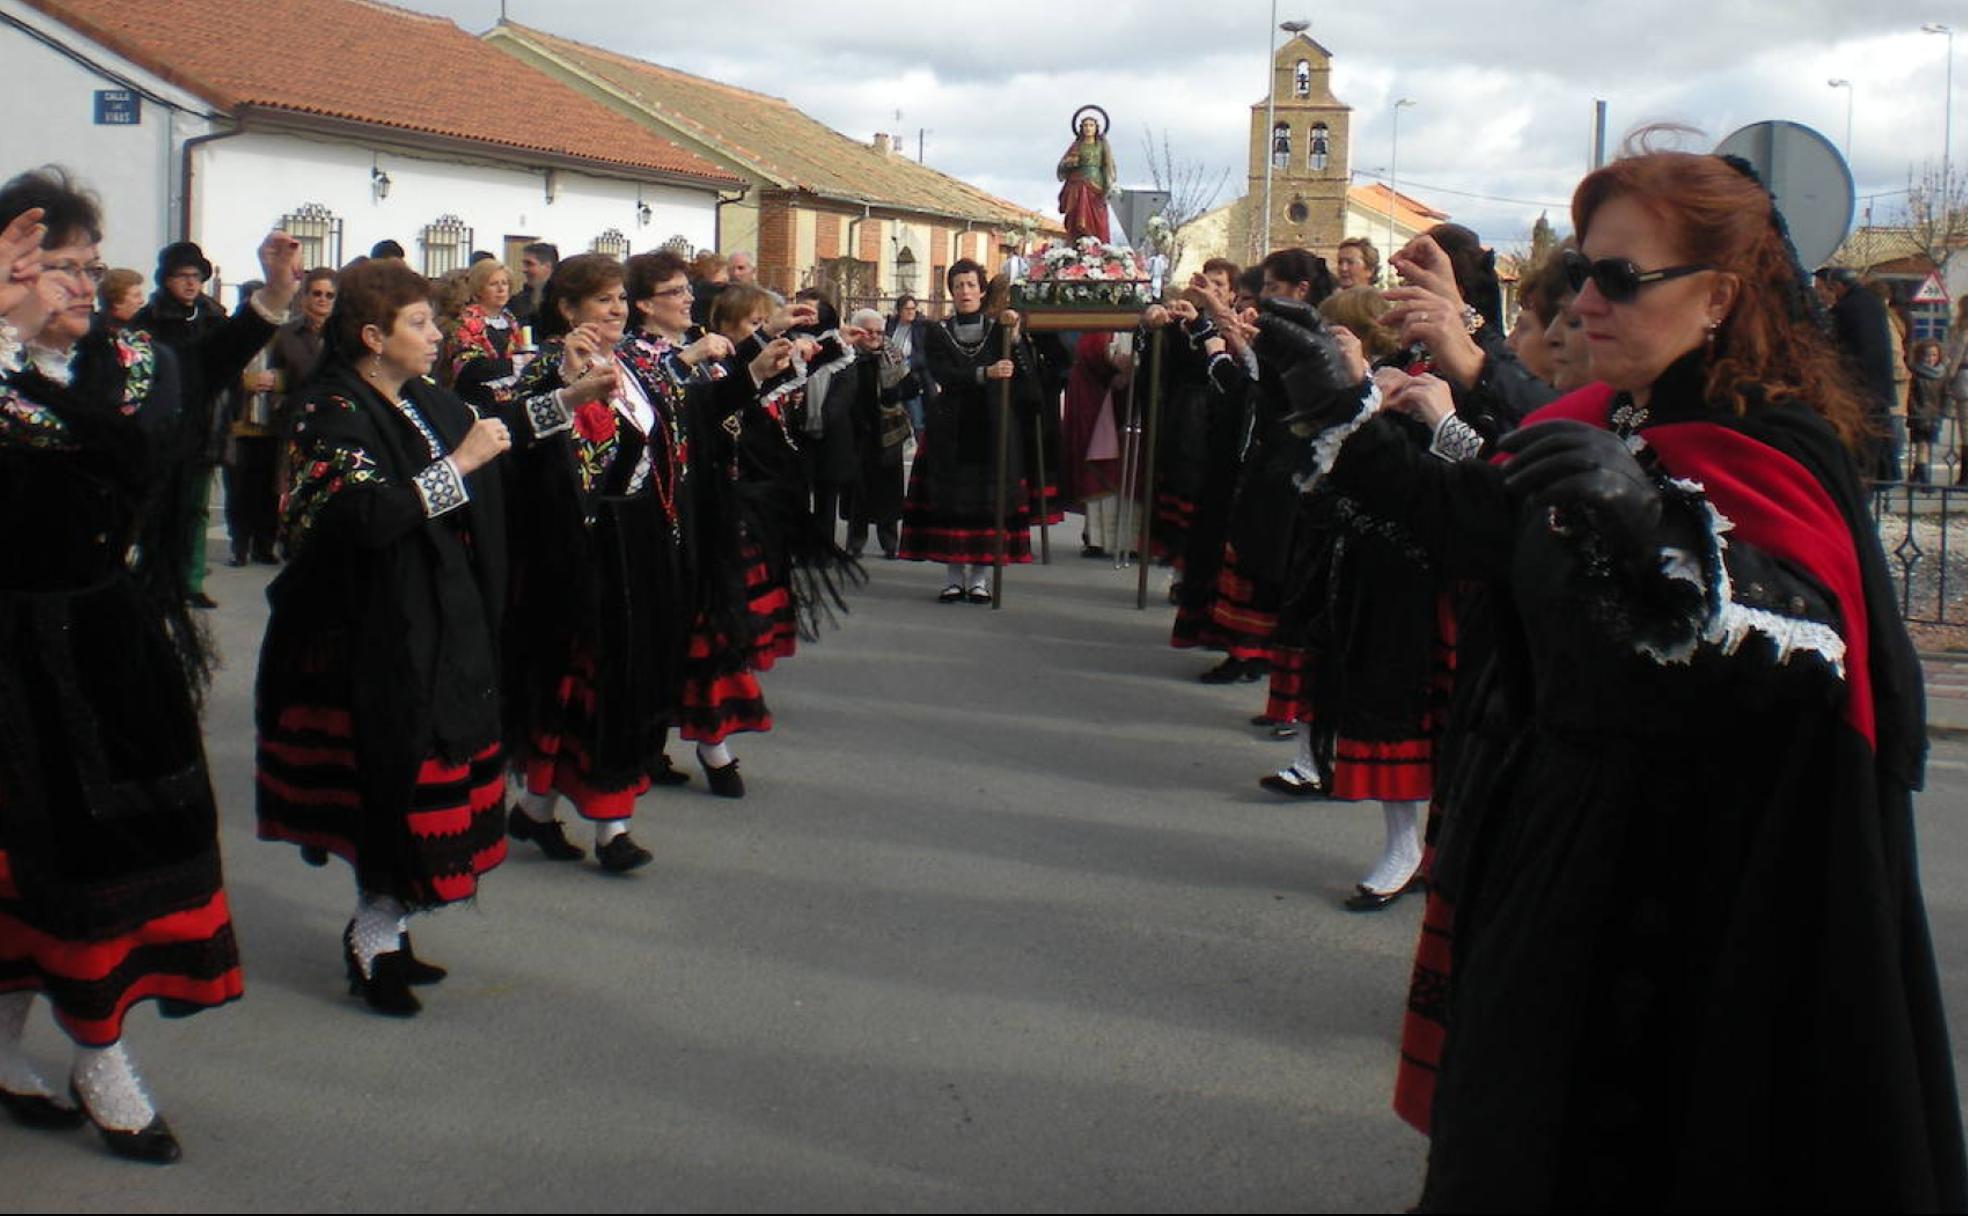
x=1289 y=695
x=185 y=960
x=769 y=603
x=427 y=852
x=1169 y=538
x=1245 y=612
x=1402 y=770
x=721 y=696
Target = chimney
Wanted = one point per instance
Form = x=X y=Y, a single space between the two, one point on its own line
x=882 y=144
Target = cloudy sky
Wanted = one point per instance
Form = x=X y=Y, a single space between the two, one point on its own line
x=1503 y=95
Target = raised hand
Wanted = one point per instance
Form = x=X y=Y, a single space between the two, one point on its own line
x=712 y=347
x=775 y=358
x=483 y=444
x=281 y=269
x=20 y=269
x=1422 y=263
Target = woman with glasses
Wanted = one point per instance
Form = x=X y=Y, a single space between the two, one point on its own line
x=1689 y=963
x=110 y=884
x=611 y=551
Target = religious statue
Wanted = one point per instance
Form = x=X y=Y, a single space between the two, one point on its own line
x=1087 y=171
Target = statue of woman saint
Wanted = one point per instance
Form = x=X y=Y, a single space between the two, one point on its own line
x=1087 y=171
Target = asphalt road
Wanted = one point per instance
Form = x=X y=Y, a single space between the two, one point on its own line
x=1004 y=923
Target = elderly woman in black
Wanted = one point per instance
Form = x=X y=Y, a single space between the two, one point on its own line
x=378 y=700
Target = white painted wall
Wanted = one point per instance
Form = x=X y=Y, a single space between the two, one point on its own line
x=244 y=184
x=51 y=100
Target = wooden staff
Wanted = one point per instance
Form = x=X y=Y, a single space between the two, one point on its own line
x=1145 y=466
x=1045 y=506
x=1004 y=458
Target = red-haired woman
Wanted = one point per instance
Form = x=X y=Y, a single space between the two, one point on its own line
x=1690 y=963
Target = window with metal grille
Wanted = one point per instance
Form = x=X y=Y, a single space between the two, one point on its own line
x=679 y=245
x=447 y=245
x=612 y=243
x=319 y=231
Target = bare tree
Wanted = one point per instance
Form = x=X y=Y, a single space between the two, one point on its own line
x=1937 y=213
x=1191 y=189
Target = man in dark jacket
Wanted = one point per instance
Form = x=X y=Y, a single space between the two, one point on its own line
x=212 y=350
x=1865 y=338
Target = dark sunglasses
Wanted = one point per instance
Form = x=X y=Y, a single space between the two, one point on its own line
x=1617 y=279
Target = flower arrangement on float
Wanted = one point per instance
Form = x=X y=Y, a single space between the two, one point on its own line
x=1087 y=273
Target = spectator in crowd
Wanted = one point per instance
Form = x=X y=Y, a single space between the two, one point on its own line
x=742 y=268
x=184 y=318
x=120 y=297
x=708 y=277
x=1955 y=361
x=1865 y=339
x=905 y=336
x=250 y=457
x=1357 y=264
x=386 y=248
x=297 y=348
x=536 y=266
x=1924 y=406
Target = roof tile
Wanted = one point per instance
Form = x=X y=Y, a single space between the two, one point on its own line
x=370 y=62
x=772 y=138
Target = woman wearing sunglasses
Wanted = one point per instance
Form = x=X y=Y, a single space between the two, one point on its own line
x=1689 y=963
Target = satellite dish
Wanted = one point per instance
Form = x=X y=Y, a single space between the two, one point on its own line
x=1810 y=181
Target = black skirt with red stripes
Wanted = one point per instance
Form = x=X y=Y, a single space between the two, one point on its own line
x=950 y=514
x=111 y=891
x=1245 y=611
x=427 y=850
x=769 y=605
x=721 y=697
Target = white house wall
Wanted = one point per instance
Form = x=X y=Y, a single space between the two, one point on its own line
x=51 y=100
x=243 y=185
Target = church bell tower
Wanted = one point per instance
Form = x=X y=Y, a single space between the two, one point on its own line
x=1305 y=138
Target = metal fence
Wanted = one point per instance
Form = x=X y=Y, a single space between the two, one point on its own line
x=1920 y=527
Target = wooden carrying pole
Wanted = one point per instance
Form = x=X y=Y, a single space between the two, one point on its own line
x=1045 y=504
x=1004 y=459
x=1145 y=467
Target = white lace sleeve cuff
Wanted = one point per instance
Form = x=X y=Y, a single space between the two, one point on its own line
x=1727 y=622
x=441 y=488
x=1455 y=440
x=547 y=414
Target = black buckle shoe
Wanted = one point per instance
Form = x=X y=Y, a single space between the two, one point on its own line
x=42 y=1111
x=551 y=836
x=667 y=773
x=415 y=970
x=386 y=989
x=1366 y=899
x=153 y=1144
x=622 y=854
x=725 y=782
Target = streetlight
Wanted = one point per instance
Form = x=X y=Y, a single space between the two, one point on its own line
x=1394 y=170
x=1271 y=108
x=1947 y=129
x=1847 y=86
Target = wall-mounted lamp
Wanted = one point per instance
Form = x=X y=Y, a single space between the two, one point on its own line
x=552 y=185
x=643 y=213
x=379 y=183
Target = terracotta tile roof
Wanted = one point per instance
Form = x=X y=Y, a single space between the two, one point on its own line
x=770 y=137
x=369 y=63
x=1409 y=212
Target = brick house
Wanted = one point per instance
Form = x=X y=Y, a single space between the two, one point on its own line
x=818 y=208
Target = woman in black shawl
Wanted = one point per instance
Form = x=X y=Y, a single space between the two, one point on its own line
x=378 y=699
x=1688 y=964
